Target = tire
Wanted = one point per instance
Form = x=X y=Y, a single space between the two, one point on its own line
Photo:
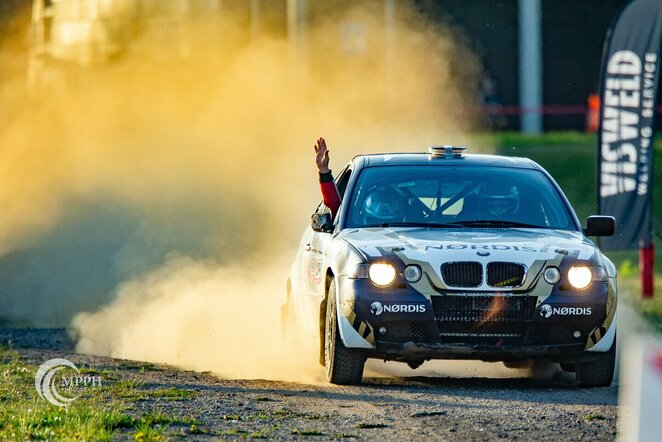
x=344 y=366
x=599 y=372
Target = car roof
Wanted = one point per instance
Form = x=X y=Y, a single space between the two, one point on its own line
x=421 y=158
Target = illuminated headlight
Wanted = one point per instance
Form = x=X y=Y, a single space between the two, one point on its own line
x=412 y=273
x=381 y=274
x=580 y=277
x=552 y=275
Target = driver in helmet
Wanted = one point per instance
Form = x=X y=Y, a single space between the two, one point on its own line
x=499 y=201
x=383 y=205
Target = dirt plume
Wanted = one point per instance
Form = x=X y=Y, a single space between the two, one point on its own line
x=201 y=316
x=209 y=121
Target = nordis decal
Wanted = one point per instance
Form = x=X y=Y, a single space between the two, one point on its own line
x=544 y=249
x=377 y=308
x=547 y=311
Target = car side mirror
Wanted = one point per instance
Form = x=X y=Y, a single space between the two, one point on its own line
x=599 y=225
x=321 y=222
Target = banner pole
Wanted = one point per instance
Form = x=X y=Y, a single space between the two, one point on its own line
x=647 y=269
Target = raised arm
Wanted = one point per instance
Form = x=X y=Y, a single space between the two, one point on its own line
x=328 y=187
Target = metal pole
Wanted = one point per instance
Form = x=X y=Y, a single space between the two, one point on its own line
x=389 y=18
x=297 y=12
x=38 y=43
x=530 y=65
x=255 y=18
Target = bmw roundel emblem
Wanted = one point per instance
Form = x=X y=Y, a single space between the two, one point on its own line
x=483 y=253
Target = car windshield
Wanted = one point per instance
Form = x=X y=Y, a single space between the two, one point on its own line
x=445 y=196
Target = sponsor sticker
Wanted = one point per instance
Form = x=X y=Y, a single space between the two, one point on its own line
x=377 y=308
x=547 y=311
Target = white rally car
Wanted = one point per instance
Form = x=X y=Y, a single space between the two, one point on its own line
x=446 y=255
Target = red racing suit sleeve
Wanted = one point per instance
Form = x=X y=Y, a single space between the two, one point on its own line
x=330 y=193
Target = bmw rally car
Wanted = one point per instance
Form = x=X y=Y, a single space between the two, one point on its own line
x=448 y=255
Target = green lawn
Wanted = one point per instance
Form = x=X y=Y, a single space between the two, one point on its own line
x=101 y=413
x=571 y=158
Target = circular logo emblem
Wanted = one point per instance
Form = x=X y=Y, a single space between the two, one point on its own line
x=376 y=308
x=44 y=381
x=546 y=311
x=483 y=253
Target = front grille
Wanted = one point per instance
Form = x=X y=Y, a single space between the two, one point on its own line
x=417 y=331
x=462 y=274
x=483 y=308
x=505 y=274
x=483 y=319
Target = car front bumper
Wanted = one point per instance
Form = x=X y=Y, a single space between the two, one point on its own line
x=400 y=323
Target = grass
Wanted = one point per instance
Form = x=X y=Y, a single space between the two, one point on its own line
x=367 y=425
x=285 y=414
x=133 y=390
x=307 y=432
x=594 y=417
x=571 y=158
x=100 y=413
x=629 y=284
x=172 y=394
x=231 y=417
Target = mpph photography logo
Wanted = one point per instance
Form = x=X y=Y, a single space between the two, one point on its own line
x=60 y=382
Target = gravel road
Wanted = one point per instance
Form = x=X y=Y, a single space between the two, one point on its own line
x=480 y=402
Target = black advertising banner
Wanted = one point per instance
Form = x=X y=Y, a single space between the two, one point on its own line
x=628 y=89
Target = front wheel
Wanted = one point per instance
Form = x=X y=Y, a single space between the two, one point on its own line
x=344 y=366
x=599 y=372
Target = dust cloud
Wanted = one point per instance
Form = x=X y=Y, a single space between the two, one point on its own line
x=199 y=131
x=201 y=316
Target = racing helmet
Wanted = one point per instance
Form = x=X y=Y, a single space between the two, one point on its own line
x=498 y=200
x=383 y=205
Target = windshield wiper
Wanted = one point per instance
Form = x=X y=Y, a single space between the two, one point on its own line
x=493 y=223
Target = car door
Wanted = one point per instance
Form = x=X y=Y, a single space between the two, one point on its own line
x=313 y=252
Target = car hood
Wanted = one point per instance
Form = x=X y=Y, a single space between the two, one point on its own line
x=439 y=245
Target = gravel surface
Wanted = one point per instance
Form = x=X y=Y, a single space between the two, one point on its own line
x=427 y=408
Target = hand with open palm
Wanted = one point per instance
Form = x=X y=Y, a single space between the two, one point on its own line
x=322 y=156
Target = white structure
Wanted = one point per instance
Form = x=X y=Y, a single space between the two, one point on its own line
x=641 y=390
x=530 y=65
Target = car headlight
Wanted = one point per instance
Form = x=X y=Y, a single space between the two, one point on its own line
x=552 y=275
x=580 y=277
x=412 y=273
x=381 y=274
